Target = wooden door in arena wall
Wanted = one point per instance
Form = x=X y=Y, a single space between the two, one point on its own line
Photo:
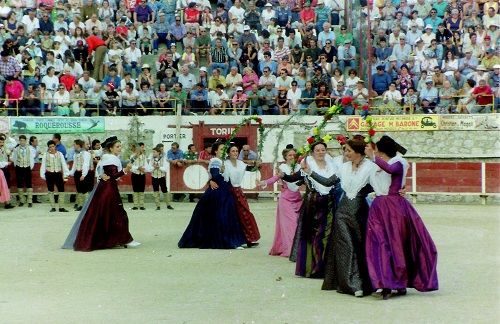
x=195 y=177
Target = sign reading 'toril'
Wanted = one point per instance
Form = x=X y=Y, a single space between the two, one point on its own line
x=63 y=125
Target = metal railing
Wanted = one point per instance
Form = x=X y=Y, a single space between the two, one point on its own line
x=19 y=108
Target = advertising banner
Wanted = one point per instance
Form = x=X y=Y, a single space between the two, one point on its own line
x=394 y=123
x=64 y=125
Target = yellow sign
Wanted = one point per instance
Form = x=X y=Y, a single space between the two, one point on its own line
x=469 y=122
x=394 y=123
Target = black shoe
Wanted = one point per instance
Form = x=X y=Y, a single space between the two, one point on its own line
x=75 y=206
x=170 y=207
x=53 y=210
x=158 y=208
x=63 y=210
x=142 y=208
x=191 y=200
x=35 y=201
x=30 y=205
x=20 y=205
x=401 y=292
x=78 y=208
x=252 y=244
x=8 y=206
x=135 y=208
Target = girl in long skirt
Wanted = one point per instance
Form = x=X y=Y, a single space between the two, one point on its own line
x=289 y=205
x=234 y=172
x=105 y=222
x=399 y=250
x=316 y=217
x=215 y=223
x=346 y=270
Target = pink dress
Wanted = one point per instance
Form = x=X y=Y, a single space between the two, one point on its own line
x=287 y=215
x=4 y=189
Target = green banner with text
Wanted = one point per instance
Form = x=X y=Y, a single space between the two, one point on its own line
x=64 y=125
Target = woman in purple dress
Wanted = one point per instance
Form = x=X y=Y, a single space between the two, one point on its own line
x=399 y=250
x=289 y=205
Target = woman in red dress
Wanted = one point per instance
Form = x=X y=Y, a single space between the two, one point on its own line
x=104 y=222
x=234 y=172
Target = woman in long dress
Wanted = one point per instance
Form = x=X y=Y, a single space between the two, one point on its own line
x=399 y=250
x=4 y=191
x=316 y=217
x=105 y=223
x=289 y=205
x=234 y=173
x=215 y=222
x=346 y=270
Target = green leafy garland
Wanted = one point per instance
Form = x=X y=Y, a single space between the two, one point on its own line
x=316 y=134
x=244 y=121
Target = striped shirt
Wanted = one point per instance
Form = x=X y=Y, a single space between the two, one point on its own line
x=218 y=55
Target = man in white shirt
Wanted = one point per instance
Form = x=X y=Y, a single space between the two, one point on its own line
x=129 y=100
x=284 y=80
x=74 y=67
x=219 y=100
x=132 y=58
x=233 y=81
x=237 y=11
x=50 y=80
x=86 y=81
x=293 y=95
x=54 y=62
x=187 y=80
x=30 y=22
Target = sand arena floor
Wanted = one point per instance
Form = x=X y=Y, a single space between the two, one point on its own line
x=159 y=283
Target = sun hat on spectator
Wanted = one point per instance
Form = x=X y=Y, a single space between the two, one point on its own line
x=428 y=82
x=268 y=5
x=429 y=26
x=246 y=27
x=347 y=41
x=393 y=58
x=204 y=69
x=161 y=14
x=496 y=66
x=282 y=89
x=239 y=89
x=480 y=68
x=145 y=66
x=454 y=11
x=402 y=37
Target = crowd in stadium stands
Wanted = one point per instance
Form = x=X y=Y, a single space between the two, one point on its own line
x=75 y=58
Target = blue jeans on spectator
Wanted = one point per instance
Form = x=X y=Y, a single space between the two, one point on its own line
x=256 y=110
x=319 y=25
x=335 y=18
x=272 y=110
x=130 y=67
x=12 y=109
x=101 y=110
x=162 y=38
x=343 y=64
x=27 y=80
x=221 y=66
x=497 y=104
x=348 y=110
